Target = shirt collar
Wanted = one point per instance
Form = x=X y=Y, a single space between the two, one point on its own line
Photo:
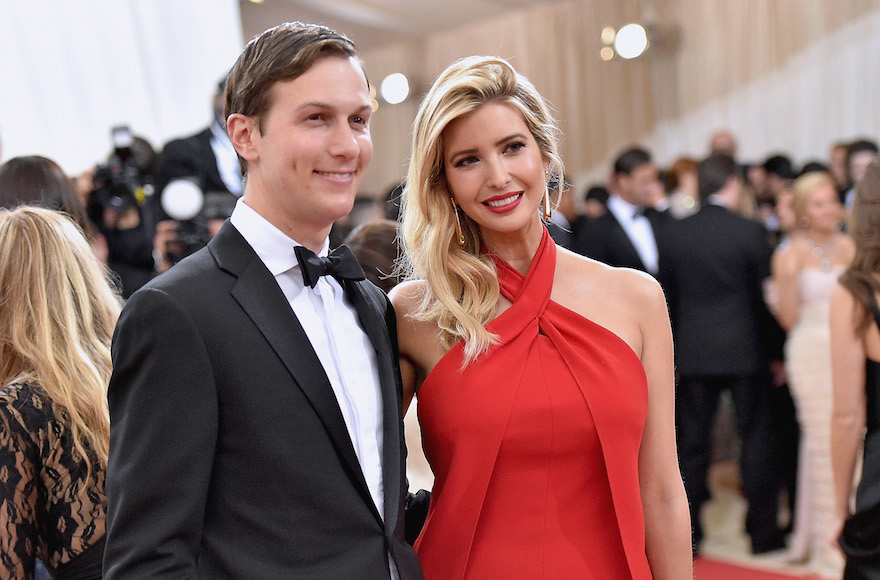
x=272 y=246
x=716 y=199
x=621 y=208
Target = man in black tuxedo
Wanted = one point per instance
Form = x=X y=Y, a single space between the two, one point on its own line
x=626 y=235
x=714 y=265
x=255 y=403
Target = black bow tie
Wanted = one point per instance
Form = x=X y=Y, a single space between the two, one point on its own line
x=341 y=264
x=648 y=212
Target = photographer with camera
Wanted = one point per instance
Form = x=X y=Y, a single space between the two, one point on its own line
x=198 y=182
x=118 y=191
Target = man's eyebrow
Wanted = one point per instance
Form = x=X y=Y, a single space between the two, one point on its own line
x=320 y=105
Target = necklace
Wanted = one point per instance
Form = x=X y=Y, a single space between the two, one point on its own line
x=821 y=252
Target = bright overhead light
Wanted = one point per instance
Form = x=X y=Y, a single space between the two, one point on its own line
x=395 y=88
x=631 y=41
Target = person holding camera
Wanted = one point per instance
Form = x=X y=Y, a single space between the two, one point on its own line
x=115 y=193
x=209 y=161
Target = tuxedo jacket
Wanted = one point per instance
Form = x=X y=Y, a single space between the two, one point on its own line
x=229 y=455
x=605 y=240
x=713 y=268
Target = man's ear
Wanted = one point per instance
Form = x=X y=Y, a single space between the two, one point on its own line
x=244 y=132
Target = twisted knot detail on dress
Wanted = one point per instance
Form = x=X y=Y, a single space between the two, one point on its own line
x=341 y=264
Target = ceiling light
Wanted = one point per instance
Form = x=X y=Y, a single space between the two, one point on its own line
x=607 y=35
x=631 y=41
x=395 y=88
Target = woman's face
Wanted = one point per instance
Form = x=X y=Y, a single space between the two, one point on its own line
x=823 y=209
x=494 y=168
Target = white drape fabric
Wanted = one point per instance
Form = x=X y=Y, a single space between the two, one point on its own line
x=69 y=71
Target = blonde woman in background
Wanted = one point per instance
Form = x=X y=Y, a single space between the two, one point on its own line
x=804 y=274
x=544 y=378
x=57 y=314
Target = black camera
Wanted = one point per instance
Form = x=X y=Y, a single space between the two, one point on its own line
x=118 y=184
x=194 y=211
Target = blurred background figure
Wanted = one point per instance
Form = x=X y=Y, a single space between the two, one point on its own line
x=209 y=162
x=626 y=236
x=714 y=266
x=116 y=192
x=837 y=157
x=681 y=181
x=56 y=322
x=722 y=141
x=804 y=273
x=855 y=360
x=778 y=175
x=859 y=154
x=374 y=244
x=36 y=180
x=365 y=210
x=596 y=201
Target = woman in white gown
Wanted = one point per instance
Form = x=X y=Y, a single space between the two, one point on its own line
x=804 y=274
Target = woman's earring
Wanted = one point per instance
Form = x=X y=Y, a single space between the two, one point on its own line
x=546 y=203
x=458 y=229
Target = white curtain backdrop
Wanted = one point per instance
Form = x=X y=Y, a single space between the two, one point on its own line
x=69 y=71
x=789 y=76
x=825 y=93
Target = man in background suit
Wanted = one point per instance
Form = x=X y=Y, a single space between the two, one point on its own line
x=626 y=235
x=256 y=427
x=209 y=159
x=714 y=265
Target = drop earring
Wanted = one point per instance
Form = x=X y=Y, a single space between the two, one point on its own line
x=546 y=204
x=458 y=229
x=546 y=195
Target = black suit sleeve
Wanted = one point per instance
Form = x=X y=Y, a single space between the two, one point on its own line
x=164 y=424
x=416 y=504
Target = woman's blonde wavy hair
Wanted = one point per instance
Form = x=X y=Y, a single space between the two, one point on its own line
x=57 y=315
x=462 y=285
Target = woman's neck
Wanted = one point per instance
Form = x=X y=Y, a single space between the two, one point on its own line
x=516 y=248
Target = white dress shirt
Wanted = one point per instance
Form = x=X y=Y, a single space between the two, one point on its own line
x=332 y=326
x=638 y=229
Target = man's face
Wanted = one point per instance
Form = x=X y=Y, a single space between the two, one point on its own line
x=858 y=164
x=311 y=149
x=640 y=186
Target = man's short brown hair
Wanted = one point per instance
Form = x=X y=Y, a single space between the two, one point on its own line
x=281 y=53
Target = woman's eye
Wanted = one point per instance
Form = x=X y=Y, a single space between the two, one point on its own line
x=465 y=161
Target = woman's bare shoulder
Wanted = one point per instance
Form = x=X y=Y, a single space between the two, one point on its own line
x=617 y=283
x=407 y=296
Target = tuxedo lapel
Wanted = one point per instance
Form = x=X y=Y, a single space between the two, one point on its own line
x=629 y=256
x=261 y=298
x=369 y=309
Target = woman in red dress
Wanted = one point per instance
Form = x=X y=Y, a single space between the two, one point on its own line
x=545 y=379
